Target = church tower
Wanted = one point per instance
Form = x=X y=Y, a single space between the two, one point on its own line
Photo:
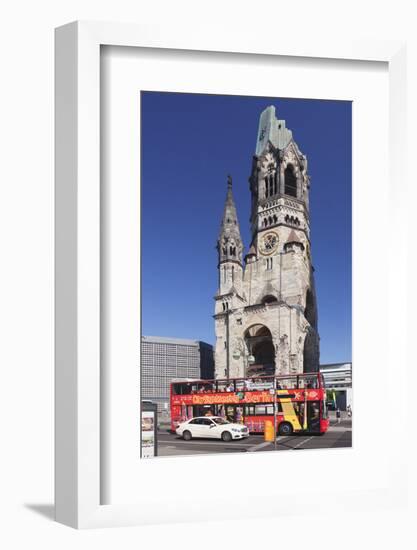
x=265 y=313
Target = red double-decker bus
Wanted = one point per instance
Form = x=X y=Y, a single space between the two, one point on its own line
x=299 y=402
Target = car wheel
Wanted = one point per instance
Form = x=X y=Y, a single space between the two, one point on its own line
x=285 y=428
x=226 y=436
x=187 y=435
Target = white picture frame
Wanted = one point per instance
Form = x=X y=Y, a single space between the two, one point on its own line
x=78 y=257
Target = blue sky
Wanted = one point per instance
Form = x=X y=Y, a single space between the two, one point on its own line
x=190 y=142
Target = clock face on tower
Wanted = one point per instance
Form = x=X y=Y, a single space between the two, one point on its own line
x=268 y=243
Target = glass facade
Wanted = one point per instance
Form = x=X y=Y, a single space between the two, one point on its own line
x=163 y=359
x=337 y=375
x=338 y=380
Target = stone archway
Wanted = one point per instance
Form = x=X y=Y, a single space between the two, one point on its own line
x=259 y=344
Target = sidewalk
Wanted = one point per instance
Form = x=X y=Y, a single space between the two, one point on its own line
x=345 y=420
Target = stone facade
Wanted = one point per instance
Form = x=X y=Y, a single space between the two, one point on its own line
x=265 y=306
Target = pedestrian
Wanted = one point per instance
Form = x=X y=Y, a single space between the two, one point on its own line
x=338 y=415
x=349 y=411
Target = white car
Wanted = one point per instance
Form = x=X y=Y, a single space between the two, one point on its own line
x=214 y=427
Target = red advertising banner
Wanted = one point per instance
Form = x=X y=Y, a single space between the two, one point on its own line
x=244 y=397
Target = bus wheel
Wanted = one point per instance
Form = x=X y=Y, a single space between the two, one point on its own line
x=187 y=435
x=285 y=428
x=226 y=436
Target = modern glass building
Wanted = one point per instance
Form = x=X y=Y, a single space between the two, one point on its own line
x=338 y=379
x=163 y=359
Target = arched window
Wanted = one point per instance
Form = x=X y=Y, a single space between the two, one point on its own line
x=290 y=181
x=275 y=218
x=270 y=183
x=269 y=299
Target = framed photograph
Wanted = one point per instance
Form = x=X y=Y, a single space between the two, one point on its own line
x=260 y=363
x=222 y=284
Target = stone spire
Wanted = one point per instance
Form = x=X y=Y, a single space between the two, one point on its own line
x=229 y=243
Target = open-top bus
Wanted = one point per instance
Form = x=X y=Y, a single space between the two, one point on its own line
x=299 y=402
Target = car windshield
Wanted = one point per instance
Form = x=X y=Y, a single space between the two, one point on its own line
x=219 y=420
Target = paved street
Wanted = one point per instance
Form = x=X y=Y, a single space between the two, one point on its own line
x=338 y=435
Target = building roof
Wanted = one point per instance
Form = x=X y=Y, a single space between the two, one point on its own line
x=292 y=237
x=168 y=340
x=252 y=251
x=335 y=367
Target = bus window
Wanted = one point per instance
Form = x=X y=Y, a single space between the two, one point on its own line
x=249 y=384
x=266 y=410
x=313 y=411
x=181 y=389
x=299 y=411
x=262 y=384
x=324 y=409
x=311 y=381
x=286 y=383
x=259 y=384
x=231 y=413
x=206 y=387
x=307 y=381
x=249 y=410
x=221 y=385
x=225 y=386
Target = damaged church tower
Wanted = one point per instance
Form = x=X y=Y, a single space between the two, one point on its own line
x=265 y=306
